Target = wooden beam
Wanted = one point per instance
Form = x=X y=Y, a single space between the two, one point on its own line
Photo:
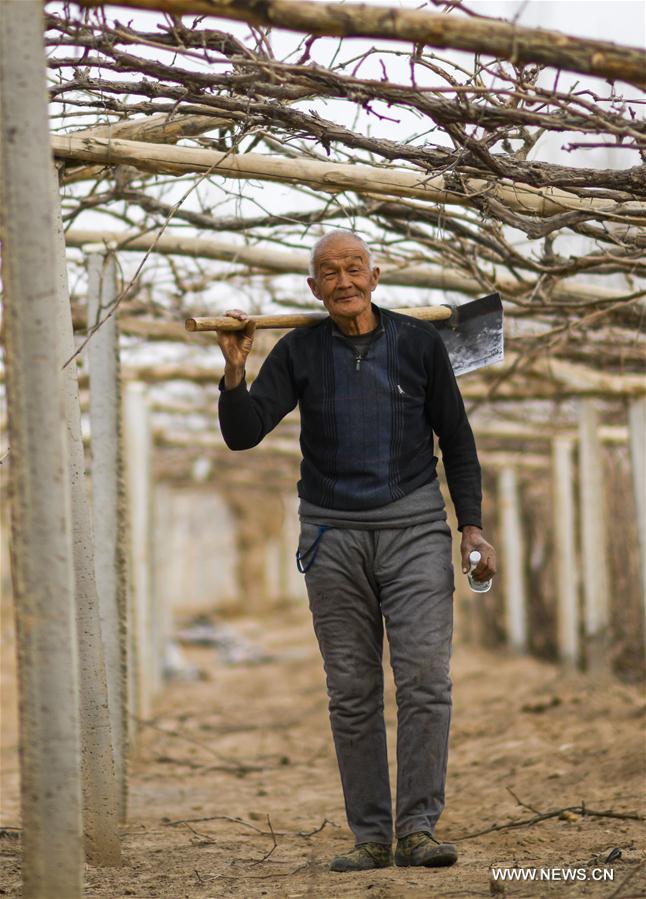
x=516 y=430
x=590 y=383
x=137 y=325
x=505 y=459
x=502 y=40
x=578 y=376
x=271 y=259
x=213 y=440
x=161 y=128
x=153 y=329
x=502 y=430
x=331 y=177
x=471 y=388
x=577 y=380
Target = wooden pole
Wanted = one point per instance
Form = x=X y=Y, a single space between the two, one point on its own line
x=138 y=478
x=502 y=40
x=333 y=177
x=594 y=556
x=102 y=846
x=109 y=504
x=43 y=573
x=512 y=562
x=637 y=424
x=563 y=524
x=301 y=319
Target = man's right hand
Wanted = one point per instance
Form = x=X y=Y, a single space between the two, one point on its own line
x=236 y=346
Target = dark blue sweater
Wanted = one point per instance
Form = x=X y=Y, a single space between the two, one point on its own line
x=366 y=423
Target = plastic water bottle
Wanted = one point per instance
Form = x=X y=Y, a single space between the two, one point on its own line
x=477 y=586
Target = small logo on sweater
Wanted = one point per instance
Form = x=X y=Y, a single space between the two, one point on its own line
x=402 y=392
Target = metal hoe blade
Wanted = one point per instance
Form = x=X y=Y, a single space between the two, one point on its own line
x=474 y=335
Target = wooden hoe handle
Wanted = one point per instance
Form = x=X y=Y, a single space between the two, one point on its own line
x=301 y=319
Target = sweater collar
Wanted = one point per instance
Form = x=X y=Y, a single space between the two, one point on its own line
x=337 y=332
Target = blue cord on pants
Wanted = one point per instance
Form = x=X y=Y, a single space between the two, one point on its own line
x=314 y=548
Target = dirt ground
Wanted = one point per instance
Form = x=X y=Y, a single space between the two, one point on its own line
x=234 y=789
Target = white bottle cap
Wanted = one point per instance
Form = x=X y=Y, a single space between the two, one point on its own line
x=474 y=557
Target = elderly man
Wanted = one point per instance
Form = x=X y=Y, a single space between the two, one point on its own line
x=372 y=387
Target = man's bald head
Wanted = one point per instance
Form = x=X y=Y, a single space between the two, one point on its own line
x=334 y=236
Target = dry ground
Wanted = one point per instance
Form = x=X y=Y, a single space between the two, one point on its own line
x=247 y=752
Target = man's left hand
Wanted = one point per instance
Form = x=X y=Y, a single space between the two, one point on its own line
x=472 y=539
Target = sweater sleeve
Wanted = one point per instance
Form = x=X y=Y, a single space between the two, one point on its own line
x=247 y=415
x=446 y=412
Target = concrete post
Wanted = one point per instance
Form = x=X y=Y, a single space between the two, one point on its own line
x=563 y=523
x=43 y=572
x=176 y=540
x=513 y=575
x=109 y=504
x=102 y=846
x=252 y=533
x=284 y=550
x=166 y=559
x=464 y=599
x=291 y=534
x=637 y=424
x=594 y=548
x=138 y=476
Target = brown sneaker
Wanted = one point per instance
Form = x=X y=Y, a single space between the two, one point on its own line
x=422 y=850
x=363 y=857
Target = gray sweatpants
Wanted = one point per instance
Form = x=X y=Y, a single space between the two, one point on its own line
x=358 y=580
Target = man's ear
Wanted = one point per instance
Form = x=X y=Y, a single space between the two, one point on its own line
x=374 y=277
x=312 y=286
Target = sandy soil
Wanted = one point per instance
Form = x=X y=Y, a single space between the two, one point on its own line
x=234 y=790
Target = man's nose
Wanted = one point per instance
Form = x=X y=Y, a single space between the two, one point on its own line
x=343 y=279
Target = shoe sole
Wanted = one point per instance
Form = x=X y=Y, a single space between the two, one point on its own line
x=442 y=859
x=350 y=870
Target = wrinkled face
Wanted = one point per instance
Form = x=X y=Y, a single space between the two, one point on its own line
x=343 y=279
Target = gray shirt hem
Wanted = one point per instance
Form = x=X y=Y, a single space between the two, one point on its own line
x=419 y=507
